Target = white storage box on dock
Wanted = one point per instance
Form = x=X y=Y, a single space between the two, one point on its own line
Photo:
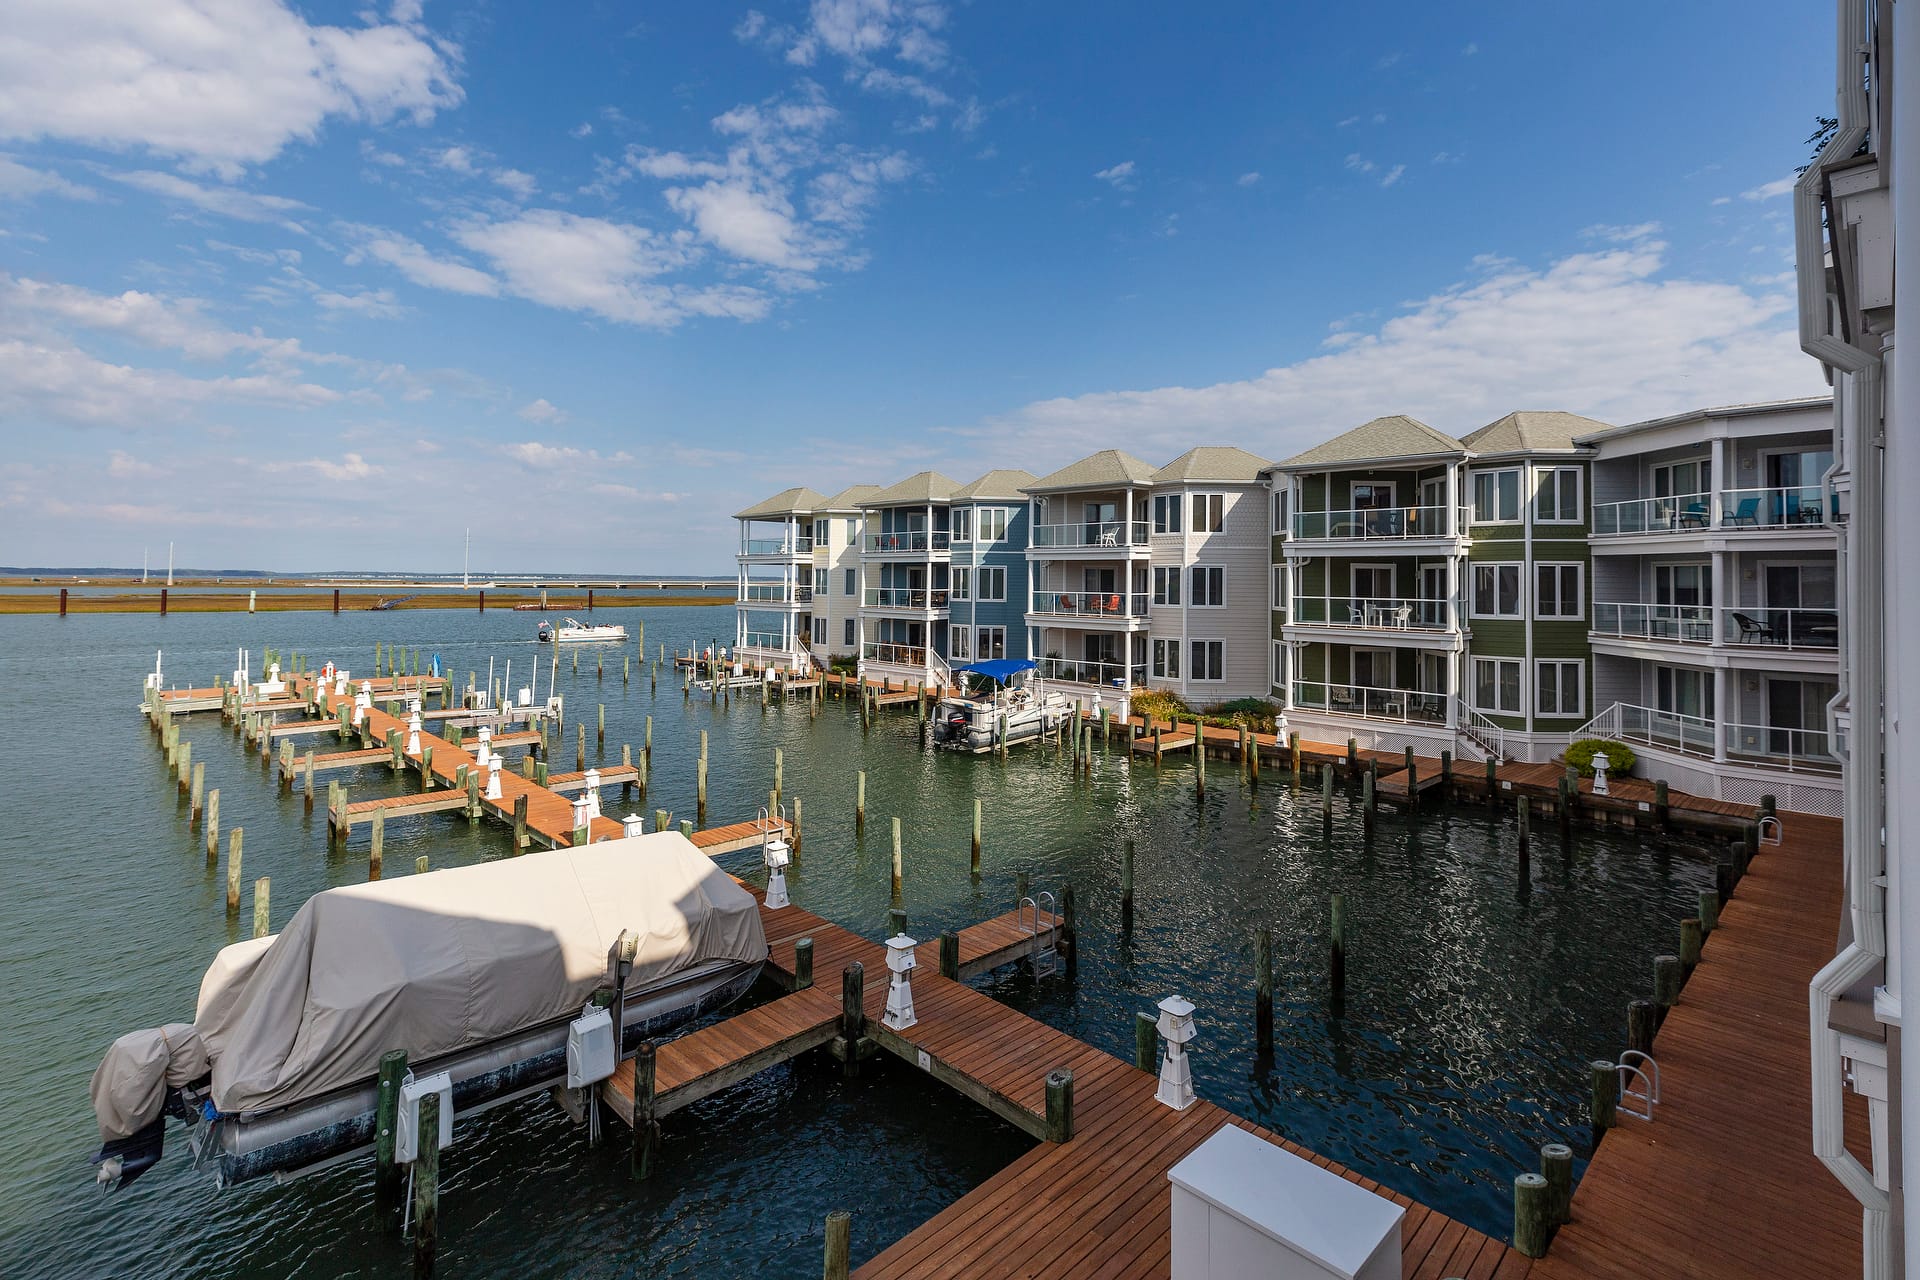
x=406 y=1134
x=1243 y=1207
x=591 y=1054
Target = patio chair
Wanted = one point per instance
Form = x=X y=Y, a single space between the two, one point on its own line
x=1752 y=630
x=1693 y=516
x=1113 y=604
x=1109 y=537
x=1403 y=616
x=1747 y=513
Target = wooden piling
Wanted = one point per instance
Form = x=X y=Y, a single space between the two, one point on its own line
x=1667 y=977
x=306 y=776
x=420 y=865
x=196 y=791
x=1661 y=809
x=1368 y=781
x=1642 y=1021
x=1532 y=1215
x=1326 y=792
x=1199 y=760
x=184 y=769
x=779 y=773
x=376 y=854
x=803 y=964
x=860 y=801
x=1146 y=1042
x=1263 y=993
x=853 y=1014
x=520 y=839
x=950 y=955
x=1413 y=781
x=1692 y=935
x=839 y=1246
x=233 y=871
x=1604 y=1084
x=426 y=1185
x=1526 y=832
x=1493 y=783
x=1126 y=883
x=796 y=831
x=1556 y=1166
x=1446 y=771
x=580 y=751
x=646 y=1124
x=600 y=734
x=388 y=1179
x=1708 y=911
x=1059 y=1105
x=661 y=819
x=896 y=859
x=1069 y=943
x=261 y=913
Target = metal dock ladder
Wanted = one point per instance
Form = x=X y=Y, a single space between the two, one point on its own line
x=1042 y=952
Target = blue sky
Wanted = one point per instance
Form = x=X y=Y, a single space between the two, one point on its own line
x=320 y=286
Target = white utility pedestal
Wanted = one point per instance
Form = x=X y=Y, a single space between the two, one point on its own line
x=1245 y=1207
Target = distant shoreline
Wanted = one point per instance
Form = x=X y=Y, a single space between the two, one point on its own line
x=322 y=602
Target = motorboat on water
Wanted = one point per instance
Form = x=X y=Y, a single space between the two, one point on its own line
x=481 y=973
x=572 y=632
x=1011 y=705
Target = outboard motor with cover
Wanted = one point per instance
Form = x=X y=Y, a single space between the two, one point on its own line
x=144 y=1078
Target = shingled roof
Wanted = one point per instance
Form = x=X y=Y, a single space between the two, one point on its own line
x=1107 y=469
x=797 y=501
x=1004 y=484
x=850 y=498
x=920 y=487
x=1547 y=430
x=1220 y=463
x=1396 y=436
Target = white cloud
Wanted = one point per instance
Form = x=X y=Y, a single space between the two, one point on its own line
x=582 y=130
x=19 y=182
x=349 y=466
x=146 y=319
x=749 y=223
x=1605 y=332
x=1392 y=175
x=546 y=457
x=543 y=413
x=1359 y=163
x=1767 y=191
x=221 y=86
x=122 y=464
x=1447 y=157
x=413 y=261
x=376 y=304
x=1247 y=179
x=1119 y=176
x=458 y=159
x=1718 y=200
x=1348 y=122
x=1612 y=234
x=1472 y=48
x=520 y=184
x=230 y=202
x=52 y=380
x=1386 y=60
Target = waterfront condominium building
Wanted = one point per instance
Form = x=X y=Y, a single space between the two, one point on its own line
x=987 y=600
x=1150 y=577
x=1853 y=206
x=837 y=525
x=774 y=594
x=1715 y=622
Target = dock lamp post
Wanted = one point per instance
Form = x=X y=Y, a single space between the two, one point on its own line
x=777 y=855
x=582 y=821
x=633 y=825
x=493 y=779
x=1600 y=766
x=485 y=753
x=1176 y=1073
x=593 y=793
x=339 y=684
x=362 y=703
x=900 y=963
x=413 y=733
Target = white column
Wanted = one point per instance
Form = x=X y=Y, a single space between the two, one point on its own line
x=1722 y=479
x=1723 y=691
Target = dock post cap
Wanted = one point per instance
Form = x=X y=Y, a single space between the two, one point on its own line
x=1176 y=1072
x=633 y=825
x=777 y=855
x=900 y=964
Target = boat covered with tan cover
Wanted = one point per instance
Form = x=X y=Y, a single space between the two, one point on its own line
x=444 y=961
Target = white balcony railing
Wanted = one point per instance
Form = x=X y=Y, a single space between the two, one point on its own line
x=776 y=593
x=801 y=546
x=1107 y=605
x=772 y=640
x=1791 y=507
x=1794 y=507
x=1379 y=523
x=1688 y=512
x=1114 y=675
x=1795 y=750
x=1388 y=613
x=1704 y=625
x=1409 y=706
x=907 y=541
x=901 y=655
x=1090 y=533
x=1792 y=749
x=904 y=598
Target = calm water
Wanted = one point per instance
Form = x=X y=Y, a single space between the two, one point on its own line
x=1473 y=1002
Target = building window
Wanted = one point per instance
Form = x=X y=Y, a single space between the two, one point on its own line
x=1166 y=586
x=962 y=584
x=1682 y=479
x=991 y=642
x=1279 y=510
x=818 y=633
x=1279 y=673
x=1683 y=584
x=820 y=536
x=1496 y=685
x=992 y=581
x=1557 y=500
x=1166 y=659
x=853 y=582
x=1279 y=588
x=1209 y=586
x=819 y=582
x=853 y=531
x=992 y=522
x=1496 y=591
x=1496 y=496
x=960 y=640
x=848 y=640
x=1209 y=660
x=1209 y=512
x=1559 y=591
x=1558 y=687
x=1166 y=513
x=962 y=524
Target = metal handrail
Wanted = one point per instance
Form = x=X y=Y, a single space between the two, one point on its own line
x=1393 y=613
x=1408 y=706
x=1649 y=1094
x=1380 y=523
x=1089 y=604
x=907 y=540
x=1090 y=533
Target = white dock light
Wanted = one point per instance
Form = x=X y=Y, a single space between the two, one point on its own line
x=1600 y=766
x=900 y=963
x=413 y=733
x=340 y=684
x=362 y=703
x=777 y=855
x=633 y=825
x=581 y=818
x=493 y=780
x=1176 y=1073
x=484 y=752
x=593 y=793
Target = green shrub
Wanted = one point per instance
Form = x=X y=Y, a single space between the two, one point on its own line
x=1158 y=704
x=1620 y=757
x=1255 y=713
x=843 y=664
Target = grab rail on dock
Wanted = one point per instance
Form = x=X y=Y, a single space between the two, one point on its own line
x=1026 y=918
x=1649 y=1091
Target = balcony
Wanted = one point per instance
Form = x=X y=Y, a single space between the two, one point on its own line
x=1387 y=613
x=1408 y=706
x=1379 y=524
x=1775 y=747
x=1089 y=606
x=788 y=547
x=1795 y=507
x=920 y=599
x=1765 y=629
x=775 y=593
x=920 y=542
x=1111 y=675
x=1093 y=535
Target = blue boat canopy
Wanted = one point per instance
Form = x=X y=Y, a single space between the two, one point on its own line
x=1000 y=669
